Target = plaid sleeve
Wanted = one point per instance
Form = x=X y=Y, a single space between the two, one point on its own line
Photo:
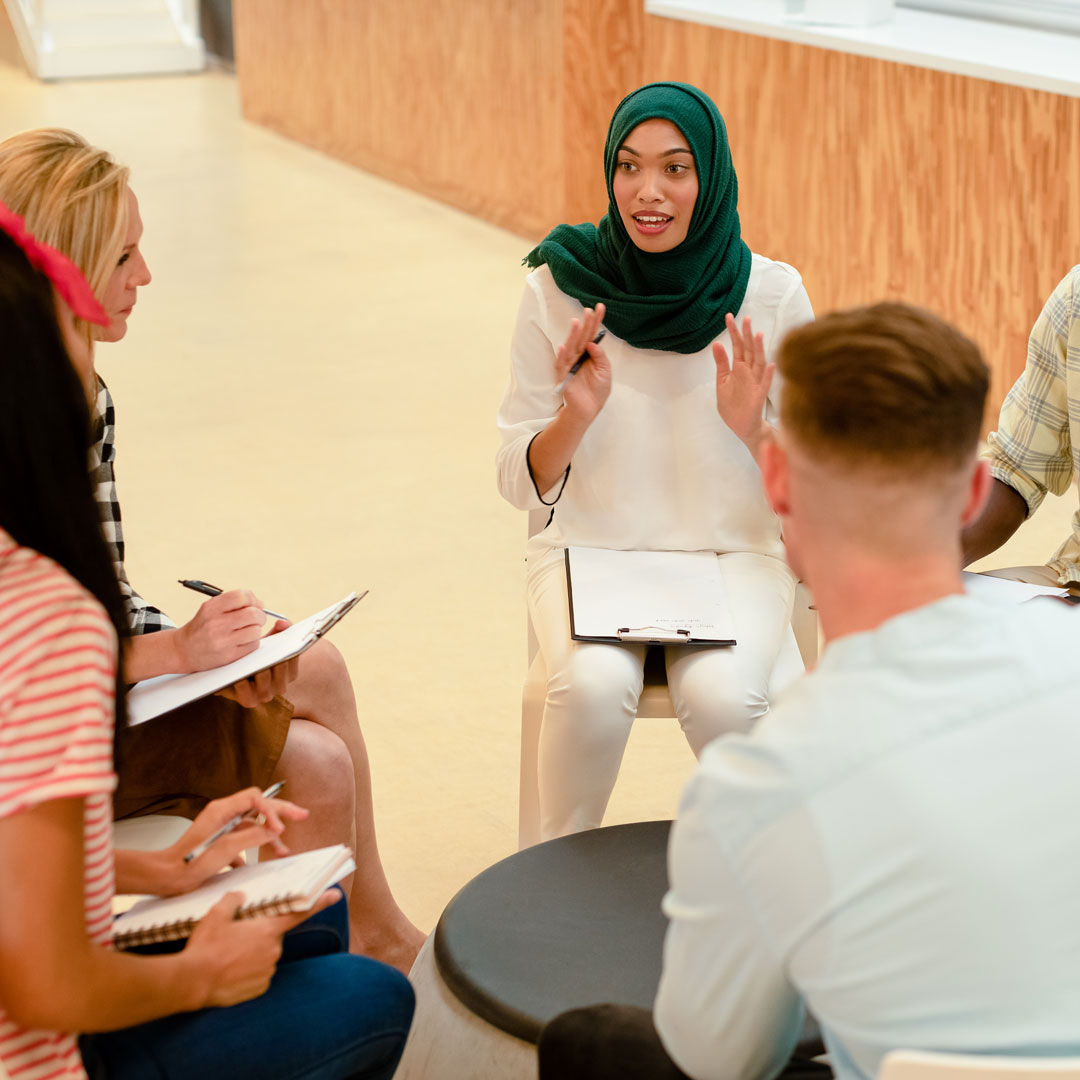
x=143 y=618
x=1031 y=450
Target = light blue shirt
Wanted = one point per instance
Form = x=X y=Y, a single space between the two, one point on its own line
x=897 y=845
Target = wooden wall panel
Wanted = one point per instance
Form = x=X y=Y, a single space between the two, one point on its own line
x=878 y=179
x=436 y=95
x=601 y=65
x=875 y=179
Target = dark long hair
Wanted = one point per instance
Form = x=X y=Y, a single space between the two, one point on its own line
x=46 y=499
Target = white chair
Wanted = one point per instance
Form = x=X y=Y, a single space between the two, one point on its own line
x=149 y=833
x=925 y=1065
x=655 y=701
x=152 y=832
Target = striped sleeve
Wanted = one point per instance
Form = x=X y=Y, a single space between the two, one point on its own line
x=57 y=663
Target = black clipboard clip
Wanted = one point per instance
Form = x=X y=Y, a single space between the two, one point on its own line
x=653 y=635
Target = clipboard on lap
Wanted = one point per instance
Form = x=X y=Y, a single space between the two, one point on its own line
x=653 y=597
x=153 y=697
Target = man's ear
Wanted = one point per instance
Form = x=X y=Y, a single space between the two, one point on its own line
x=978 y=492
x=774 y=474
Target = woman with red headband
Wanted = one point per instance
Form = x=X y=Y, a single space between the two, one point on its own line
x=297 y=722
x=319 y=1014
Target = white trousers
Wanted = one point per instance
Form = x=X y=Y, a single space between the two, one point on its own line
x=593 y=687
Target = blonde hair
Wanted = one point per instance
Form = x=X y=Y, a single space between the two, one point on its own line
x=72 y=197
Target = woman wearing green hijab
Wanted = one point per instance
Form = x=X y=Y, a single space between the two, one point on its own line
x=650 y=445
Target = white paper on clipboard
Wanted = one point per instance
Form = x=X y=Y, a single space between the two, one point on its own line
x=669 y=597
x=162 y=694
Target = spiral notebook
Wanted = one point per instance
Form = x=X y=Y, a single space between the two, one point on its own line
x=274 y=887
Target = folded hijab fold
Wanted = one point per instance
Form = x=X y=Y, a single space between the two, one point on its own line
x=673 y=300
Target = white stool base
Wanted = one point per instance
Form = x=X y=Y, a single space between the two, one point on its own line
x=449 y=1042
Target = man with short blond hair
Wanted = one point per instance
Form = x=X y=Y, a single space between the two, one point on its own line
x=894 y=846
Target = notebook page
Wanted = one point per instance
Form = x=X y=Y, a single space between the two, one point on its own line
x=263 y=883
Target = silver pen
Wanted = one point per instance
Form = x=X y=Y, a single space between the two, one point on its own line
x=231 y=824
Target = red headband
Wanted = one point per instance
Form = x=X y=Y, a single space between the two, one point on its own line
x=59 y=269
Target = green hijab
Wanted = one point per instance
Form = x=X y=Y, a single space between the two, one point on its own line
x=672 y=300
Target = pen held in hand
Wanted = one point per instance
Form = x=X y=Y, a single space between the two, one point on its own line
x=213 y=590
x=578 y=363
x=229 y=825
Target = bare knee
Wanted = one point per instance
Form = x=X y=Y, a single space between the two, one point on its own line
x=323 y=690
x=318 y=767
x=324 y=666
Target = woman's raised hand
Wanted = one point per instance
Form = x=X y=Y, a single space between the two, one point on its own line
x=743 y=384
x=586 y=391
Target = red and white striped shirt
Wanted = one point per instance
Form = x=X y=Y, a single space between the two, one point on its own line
x=57 y=672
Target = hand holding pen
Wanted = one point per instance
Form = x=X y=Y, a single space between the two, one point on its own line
x=214 y=842
x=582 y=369
x=225 y=628
x=213 y=590
x=259 y=813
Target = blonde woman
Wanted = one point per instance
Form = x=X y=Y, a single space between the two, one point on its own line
x=268 y=997
x=77 y=199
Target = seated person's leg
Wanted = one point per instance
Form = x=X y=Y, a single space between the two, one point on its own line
x=323 y=934
x=592 y=696
x=205 y=750
x=329 y=762
x=716 y=690
x=213 y=747
x=619 y=1042
x=605 y=1042
x=327 y=1018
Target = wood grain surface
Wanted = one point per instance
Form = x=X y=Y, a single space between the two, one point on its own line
x=875 y=179
x=443 y=97
x=879 y=179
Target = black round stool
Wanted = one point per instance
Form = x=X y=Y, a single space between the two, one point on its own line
x=574 y=921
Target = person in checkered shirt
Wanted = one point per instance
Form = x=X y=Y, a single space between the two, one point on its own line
x=1036 y=447
x=77 y=199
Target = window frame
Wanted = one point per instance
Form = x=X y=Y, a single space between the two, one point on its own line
x=1060 y=15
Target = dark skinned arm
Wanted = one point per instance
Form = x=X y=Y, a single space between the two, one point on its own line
x=1003 y=514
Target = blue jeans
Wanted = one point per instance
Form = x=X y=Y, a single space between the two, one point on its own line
x=326 y=1016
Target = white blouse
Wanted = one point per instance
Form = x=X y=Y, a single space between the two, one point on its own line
x=657 y=469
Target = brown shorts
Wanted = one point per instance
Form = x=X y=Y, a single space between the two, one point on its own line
x=177 y=763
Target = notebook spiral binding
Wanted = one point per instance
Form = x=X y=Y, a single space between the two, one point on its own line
x=159 y=933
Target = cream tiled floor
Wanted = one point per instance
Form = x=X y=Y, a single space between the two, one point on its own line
x=305 y=402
